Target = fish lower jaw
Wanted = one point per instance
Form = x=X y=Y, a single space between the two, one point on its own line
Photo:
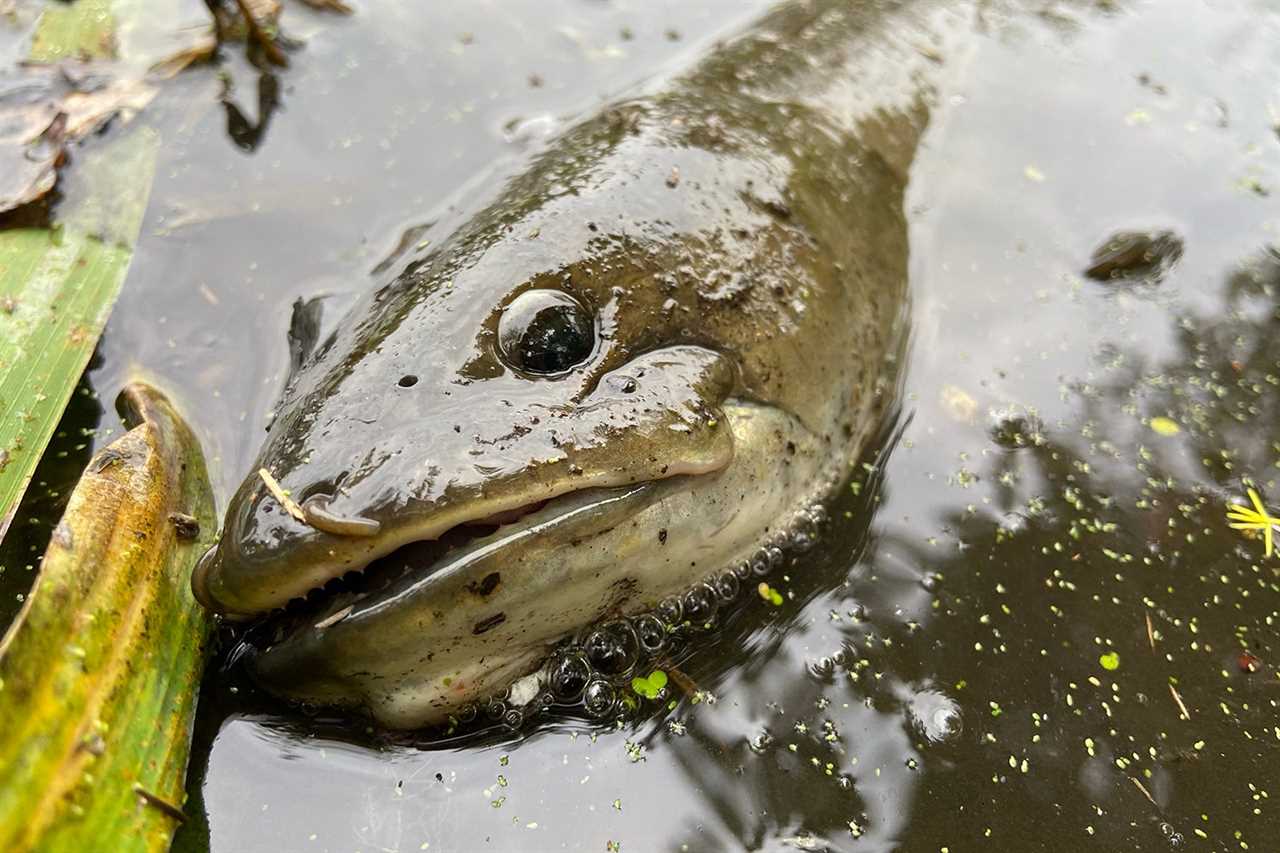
x=423 y=647
x=418 y=561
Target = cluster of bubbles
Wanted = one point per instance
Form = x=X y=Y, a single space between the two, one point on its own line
x=592 y=670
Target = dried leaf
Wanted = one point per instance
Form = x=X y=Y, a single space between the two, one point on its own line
x=56 y=290
x=44 y=109
x=330 y=6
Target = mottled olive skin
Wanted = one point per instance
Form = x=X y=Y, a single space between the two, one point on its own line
x=738 y=238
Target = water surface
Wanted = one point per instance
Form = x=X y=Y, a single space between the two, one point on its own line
x=1030 y=629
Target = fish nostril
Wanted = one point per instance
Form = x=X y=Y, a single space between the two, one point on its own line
x=317 y=513
x=408 y=381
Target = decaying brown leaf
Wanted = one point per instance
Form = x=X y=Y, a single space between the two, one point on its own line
x=43 y=109
x=329 y=6
x=254 y=22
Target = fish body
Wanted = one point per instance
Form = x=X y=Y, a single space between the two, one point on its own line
x=635 y=366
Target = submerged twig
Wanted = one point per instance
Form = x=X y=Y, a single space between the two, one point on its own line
x=1145 y=792
x=683 y=681
x=1186 y=715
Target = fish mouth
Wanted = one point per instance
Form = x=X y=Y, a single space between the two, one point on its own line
x=416 y=551
x=416 y=570
x=424 y=629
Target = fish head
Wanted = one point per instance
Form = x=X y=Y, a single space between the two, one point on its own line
x=464 y=398
x=628 y=373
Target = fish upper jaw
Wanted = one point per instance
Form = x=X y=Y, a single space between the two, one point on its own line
x=654 y=418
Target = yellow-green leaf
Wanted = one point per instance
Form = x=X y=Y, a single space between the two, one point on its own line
x=57 y=287
x=100 y=672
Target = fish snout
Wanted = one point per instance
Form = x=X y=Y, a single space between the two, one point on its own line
x=273 y=549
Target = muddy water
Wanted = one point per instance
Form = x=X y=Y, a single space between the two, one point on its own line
x=1030 y=628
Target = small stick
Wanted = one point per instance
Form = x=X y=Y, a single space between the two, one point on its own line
x=334 y=618
x=281 y=496
x=160 y=803
x=1144 y=791
x=1183 y=708
x=683 y=681
x=1151 y=635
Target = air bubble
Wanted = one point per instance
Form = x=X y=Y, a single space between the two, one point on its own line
x=761 y=742
x=727 y=587
x=700 y=604
x=569 y=676
x=494 y=709
x=822 y=668
x=467 y=714
x=802 y=539
x=513 y=719
x=670 y=611
x=945 y=723
x=743 y=570
x=760 y=562
x=1175 y=838
x=651 y=633
x=598 y=699
x=774 y=557
x=936 y=715
x=612 y=649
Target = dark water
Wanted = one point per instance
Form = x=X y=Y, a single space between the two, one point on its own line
x=995 y=647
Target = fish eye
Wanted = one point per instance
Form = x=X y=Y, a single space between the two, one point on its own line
x=545 y=332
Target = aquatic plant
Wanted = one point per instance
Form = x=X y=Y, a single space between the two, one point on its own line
x=1255 y=518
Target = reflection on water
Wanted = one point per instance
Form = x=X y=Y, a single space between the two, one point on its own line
x=968 y=665
x=245 y=133
x=1031 y=629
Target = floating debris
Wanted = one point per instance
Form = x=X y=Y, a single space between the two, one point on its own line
x=1135 y=256
x=1257 y=518
x=44 y=109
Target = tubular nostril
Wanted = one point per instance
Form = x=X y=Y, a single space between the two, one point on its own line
x=408 y=381
x=317 y=513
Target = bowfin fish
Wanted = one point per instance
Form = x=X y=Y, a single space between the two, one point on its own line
x=633 y=366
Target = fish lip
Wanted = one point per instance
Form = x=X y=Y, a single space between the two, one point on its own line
x=205 y=577
x=551 y=516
